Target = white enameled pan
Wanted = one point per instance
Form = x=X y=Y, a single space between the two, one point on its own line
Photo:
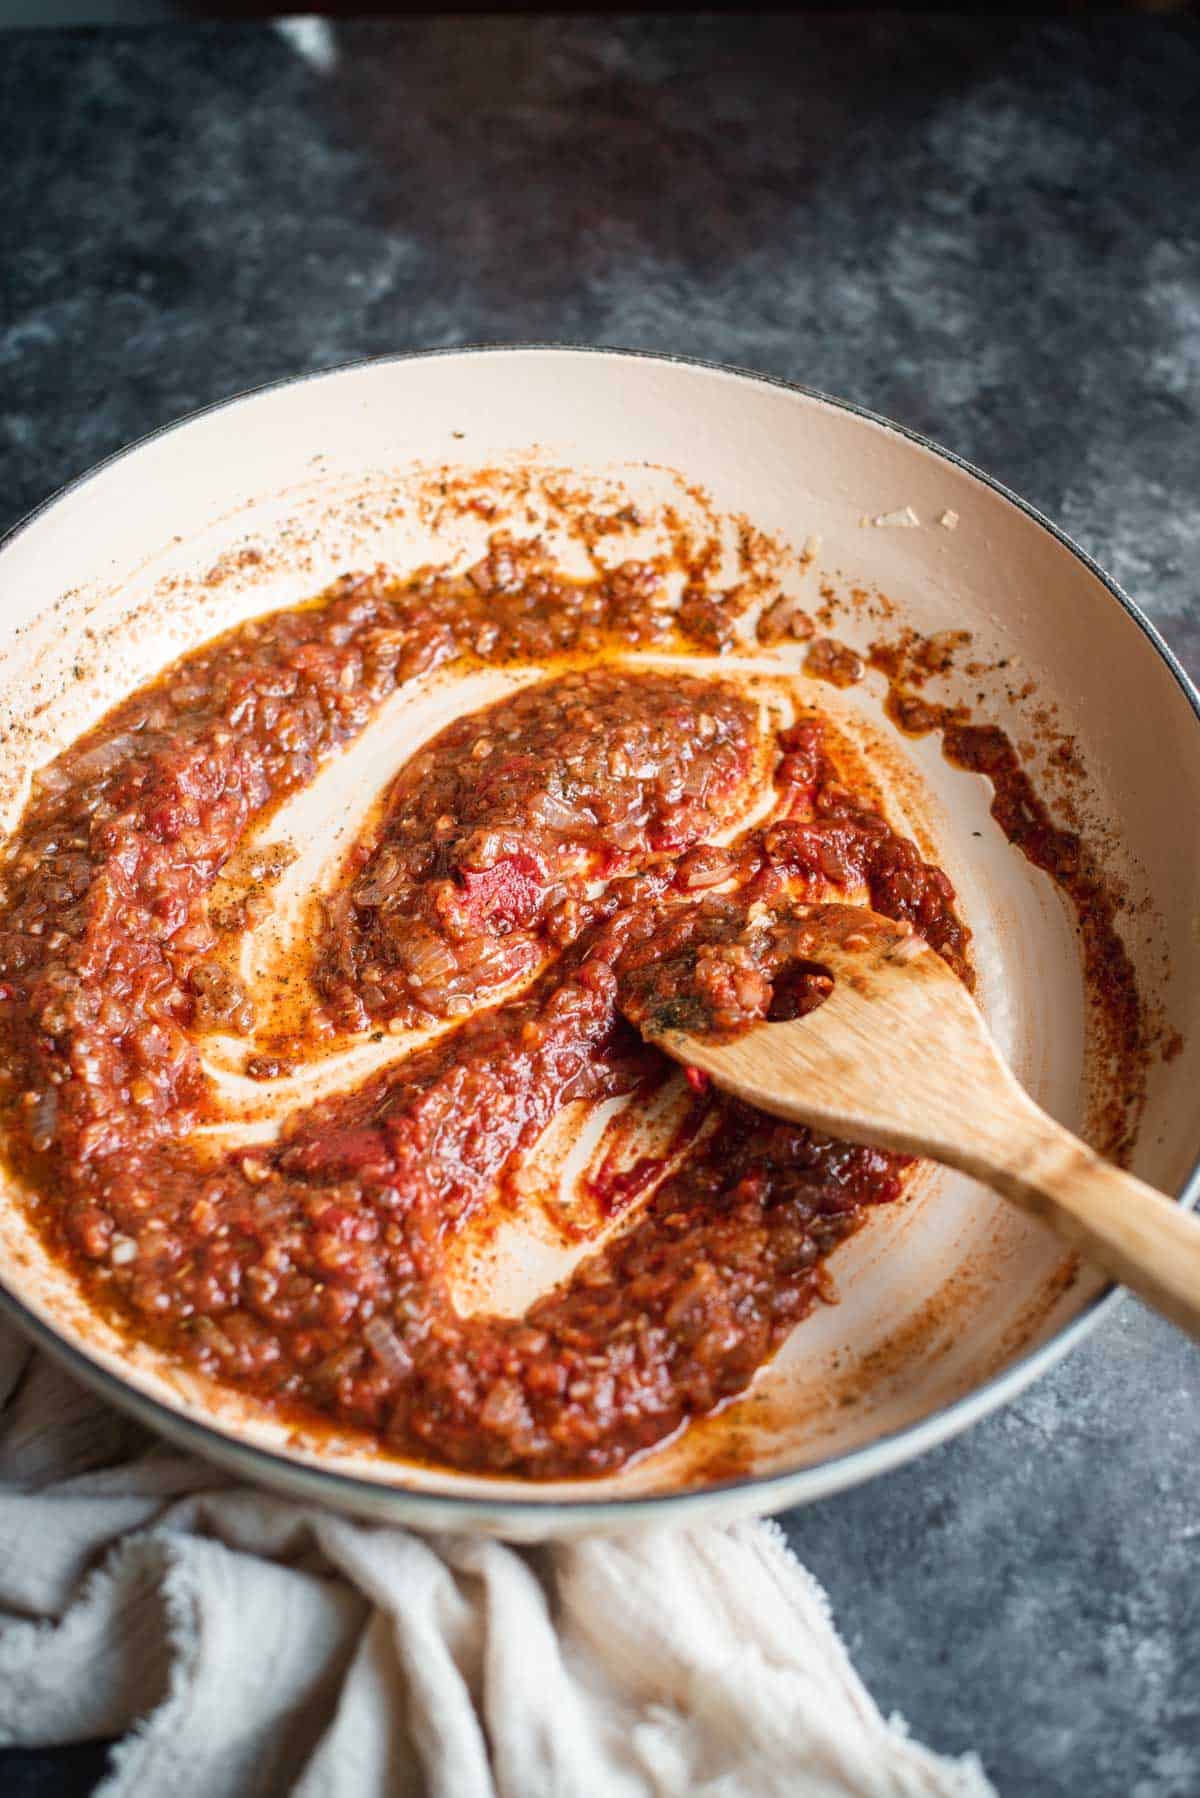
x=949 y=1303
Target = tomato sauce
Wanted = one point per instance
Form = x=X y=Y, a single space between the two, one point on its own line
x=512 y=889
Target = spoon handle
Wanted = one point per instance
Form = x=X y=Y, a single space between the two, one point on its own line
x=1116 y=1221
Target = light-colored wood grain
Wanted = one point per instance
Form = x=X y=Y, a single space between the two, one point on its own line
x=899 y=1056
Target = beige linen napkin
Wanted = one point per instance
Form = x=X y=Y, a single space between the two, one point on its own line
x=244 y=1646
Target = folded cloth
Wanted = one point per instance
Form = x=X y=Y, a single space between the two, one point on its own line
x=243 y=1646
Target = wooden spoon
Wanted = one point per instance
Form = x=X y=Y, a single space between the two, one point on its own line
x=898 y=1055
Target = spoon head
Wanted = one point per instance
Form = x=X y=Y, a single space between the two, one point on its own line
x=898 y=1055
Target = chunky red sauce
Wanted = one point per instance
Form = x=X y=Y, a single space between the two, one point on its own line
x=492 y=834
x=515 y=886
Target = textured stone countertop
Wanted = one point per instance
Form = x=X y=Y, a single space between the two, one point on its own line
x=988 y=230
